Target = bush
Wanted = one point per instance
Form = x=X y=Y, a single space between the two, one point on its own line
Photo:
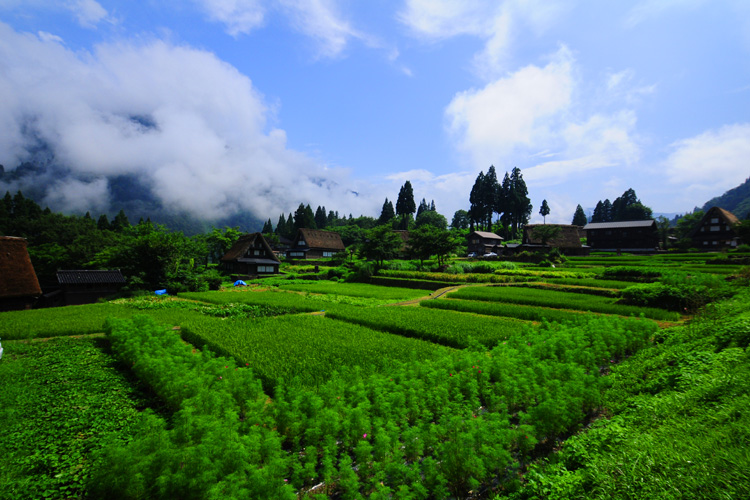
x=675 y=297
x=630 y=273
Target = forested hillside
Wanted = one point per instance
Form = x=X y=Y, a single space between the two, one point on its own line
x=736 y=200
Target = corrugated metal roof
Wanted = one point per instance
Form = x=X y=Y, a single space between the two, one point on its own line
x=620 y=225
x=87 y=277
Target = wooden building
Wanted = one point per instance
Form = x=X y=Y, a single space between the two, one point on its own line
x=564 y=237
x=88 y=286
x=19 y=287
x=483 y=242
x=311 y=244
x=251 y=255
x=716 y=230
x=626 y=236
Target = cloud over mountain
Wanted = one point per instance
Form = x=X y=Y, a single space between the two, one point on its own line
x=181 y=121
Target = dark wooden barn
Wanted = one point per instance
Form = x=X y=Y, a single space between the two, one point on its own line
x=87 y=286
x=564 y=237
x=251 y=255
x=315 y=244
x=19 y=287
x=627 y=236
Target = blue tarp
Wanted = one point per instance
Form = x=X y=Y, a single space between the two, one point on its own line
x=161 y=292
x=240 y=283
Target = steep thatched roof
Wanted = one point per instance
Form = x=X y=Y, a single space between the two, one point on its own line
x=317 y=238
x=247 y=242
x=567 y=235
x=17 y=276
x=724 y=215
x=486 y=235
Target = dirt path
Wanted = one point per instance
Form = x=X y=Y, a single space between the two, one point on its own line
x=434 y=295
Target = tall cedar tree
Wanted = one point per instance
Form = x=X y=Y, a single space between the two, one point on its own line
x=423 y=207
x=489 y=196
x=519 y=203
x=544 y=210
x=476 y=207
x=387 y=213
x=267 y=227
x=321 y=220
x=405 y=205
x=304 y=217
x=579 y=217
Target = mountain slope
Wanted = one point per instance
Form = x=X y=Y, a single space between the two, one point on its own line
x=736 y=200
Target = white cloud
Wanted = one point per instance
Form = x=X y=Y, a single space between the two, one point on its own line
x=516 y=111
x=712 y=162
x=180 y=120
x=78 y=196
x=239 y=16
x=89 y=13
x=320 y=20
x=497 y=23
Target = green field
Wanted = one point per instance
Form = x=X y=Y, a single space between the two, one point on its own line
x=323 y=390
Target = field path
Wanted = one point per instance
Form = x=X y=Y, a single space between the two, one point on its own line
x=434 y=295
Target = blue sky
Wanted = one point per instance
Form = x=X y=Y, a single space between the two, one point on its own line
x=228 y=105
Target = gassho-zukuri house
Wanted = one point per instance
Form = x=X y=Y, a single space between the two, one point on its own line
x=483 y=242
x=716 y=230
x=19 y=287
x=310 y=244
x=626 y=236
x=251 y=255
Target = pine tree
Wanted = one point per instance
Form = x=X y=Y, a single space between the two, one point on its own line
x=544 y=210
x=476 y=203
x=423 y=207
x=519 y=201
x=489 y=194
x=304 y=217
x=387 y=213
x=579 y=217
x=103 y=222
x=405 y=205
x=320 y=217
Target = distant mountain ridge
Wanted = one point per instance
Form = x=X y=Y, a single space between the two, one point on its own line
x=736 y=200
x=126 y=192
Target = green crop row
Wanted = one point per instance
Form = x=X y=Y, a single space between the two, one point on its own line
x=58 y=321
x=60 y=398
x=591 y=283
x=90 y=318
x=526 y=313
x=580 y=289
x=218 y=444
x=443 y=327
x=357 y=290
x=453 y=278
x=559 y=300
x=437 y=428
x=293 y=301
x=304 y=350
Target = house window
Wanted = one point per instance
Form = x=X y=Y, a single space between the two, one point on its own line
x=327 y=254
x=715 y=228
x=296 y=254
x=256 y=252
x=301 y=243
x=705 y=243
x=265 y=269
x=714 y=242
x=715 y=220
